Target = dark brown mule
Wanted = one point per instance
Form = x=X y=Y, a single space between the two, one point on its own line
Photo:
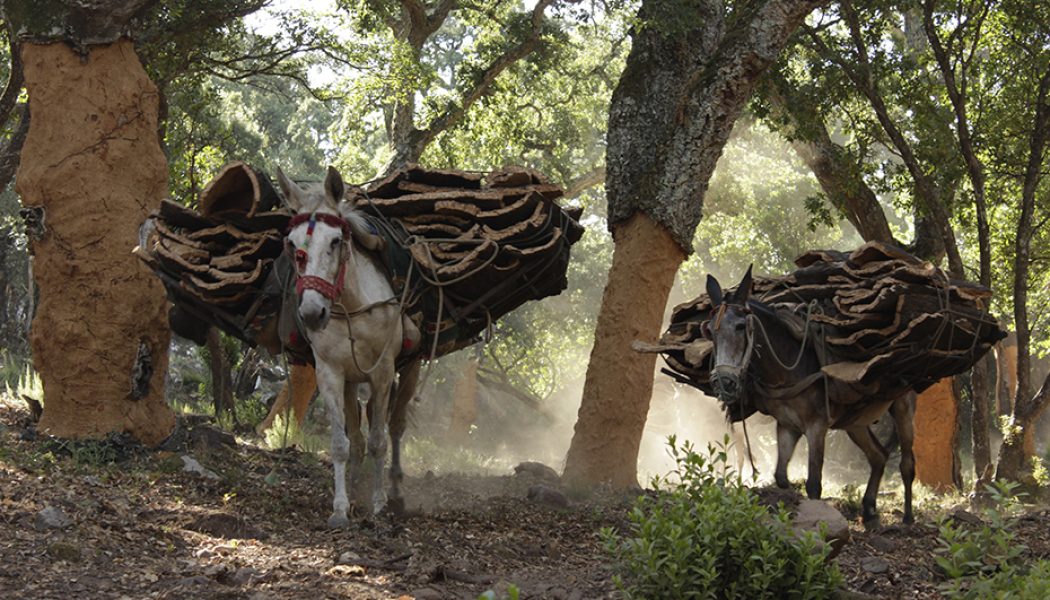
x=758 y=365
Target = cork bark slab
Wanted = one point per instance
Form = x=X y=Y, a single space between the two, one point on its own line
x=91 y=160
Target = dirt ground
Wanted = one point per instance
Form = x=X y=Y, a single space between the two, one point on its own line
x=139 y=526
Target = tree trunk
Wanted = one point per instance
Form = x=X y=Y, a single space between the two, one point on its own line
x=221 y=381
x=619 y=381
x=935 y=413
x=688 y=76
x=981 y=386
x=93 y=163
x=299 y=388
x=464 y=404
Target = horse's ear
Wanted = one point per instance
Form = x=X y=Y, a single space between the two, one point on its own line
x=714 y=290
x=292 y=192
x=705 y=329
x=333 y=185
x=743 y=291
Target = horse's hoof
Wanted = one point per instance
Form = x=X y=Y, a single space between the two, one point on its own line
x=378 y=502
x=338 y=521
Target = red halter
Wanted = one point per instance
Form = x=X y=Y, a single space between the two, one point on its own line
x=313 y=282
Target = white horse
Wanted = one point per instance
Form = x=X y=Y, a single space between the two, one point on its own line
x=356 y=329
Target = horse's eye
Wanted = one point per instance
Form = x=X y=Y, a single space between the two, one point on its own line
x=740 y=326
x=335 y=243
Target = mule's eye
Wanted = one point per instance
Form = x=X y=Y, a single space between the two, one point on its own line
x=335 y=243
x=740 y=326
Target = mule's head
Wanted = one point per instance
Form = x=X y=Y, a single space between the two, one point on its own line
x=731 y=330
x=319 y=240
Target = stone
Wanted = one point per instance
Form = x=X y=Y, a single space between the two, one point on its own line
x=876 y=565
x=190 y=465
x=538 y=470
x=244 y=575
x=549 y=496
x=882 y=544
x=813 y=515
x=960 y=515
x=208 y=437
x=51 y=517
x=348 y=558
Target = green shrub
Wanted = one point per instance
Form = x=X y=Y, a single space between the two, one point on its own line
x=703 y=534
x=983 y=562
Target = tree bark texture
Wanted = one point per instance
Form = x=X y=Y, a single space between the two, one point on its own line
x=677 y=100
x=935 y=414
x=93 y=163
x=619 y=381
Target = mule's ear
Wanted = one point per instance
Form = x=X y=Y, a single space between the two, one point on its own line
x=743 y=291
x=705 y=329
x=292 y=192
x=333 y=185
x=714 y=290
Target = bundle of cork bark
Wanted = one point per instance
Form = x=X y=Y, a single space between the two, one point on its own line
x=462 y=249
x=214 y=262
x=478 y=245
x=878 y=318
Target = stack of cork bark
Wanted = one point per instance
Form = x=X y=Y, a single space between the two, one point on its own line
x=214 y=262
x=479 y=245
x=878 y=318
x=468 y=247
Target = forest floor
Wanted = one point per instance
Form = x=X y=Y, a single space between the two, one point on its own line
x=112 y=520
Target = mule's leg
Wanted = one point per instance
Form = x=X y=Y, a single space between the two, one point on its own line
x=352 y=410
x=378 y=430
x=815 y=436
x=405 y=390
x=787 y=439
x=330 y=385
x=903 y=411
x=864 y=438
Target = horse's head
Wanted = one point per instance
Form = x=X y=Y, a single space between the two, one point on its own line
x=319 y=240
x=731 y=330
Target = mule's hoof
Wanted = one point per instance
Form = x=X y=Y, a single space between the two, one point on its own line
x=872 y=524
x=909 y=519
x=396 y=506
x=338 y=521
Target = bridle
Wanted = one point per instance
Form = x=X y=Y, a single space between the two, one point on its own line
x=304 y=282
x=729 y=373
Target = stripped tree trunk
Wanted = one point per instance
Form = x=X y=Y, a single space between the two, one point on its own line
x=92 y=162
x=689 y=74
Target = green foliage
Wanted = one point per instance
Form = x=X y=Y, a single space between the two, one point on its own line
x=512 y=593
x=705 y=535
x=982 y=562
x=27 y=384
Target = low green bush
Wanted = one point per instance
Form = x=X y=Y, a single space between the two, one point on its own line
x=702 y=533
x=983 y=562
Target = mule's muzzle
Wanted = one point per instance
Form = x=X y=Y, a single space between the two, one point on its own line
x=727 y=384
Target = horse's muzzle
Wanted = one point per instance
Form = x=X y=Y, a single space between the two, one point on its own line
x=315 y=318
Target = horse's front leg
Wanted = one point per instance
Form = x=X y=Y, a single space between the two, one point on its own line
x=352 y=410
x=787 y=439
x=816 y=432
x=903 y=411
x=378 y=431
x=330 y=385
